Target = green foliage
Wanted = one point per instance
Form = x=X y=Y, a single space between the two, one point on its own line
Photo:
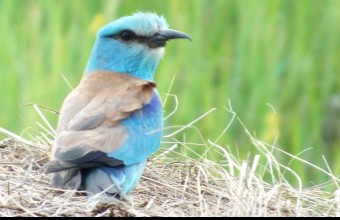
x=262 y=55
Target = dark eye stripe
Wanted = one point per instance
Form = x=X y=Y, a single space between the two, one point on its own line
x=127 y=35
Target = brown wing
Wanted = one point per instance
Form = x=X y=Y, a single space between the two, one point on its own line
x=90 y=115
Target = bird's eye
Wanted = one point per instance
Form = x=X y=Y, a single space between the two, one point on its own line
x=127 y=35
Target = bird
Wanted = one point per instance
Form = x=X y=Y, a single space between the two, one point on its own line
x=112 y=122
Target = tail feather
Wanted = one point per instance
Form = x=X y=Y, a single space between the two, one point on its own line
x=115 y=181
x=112 y=181
x=97 y=181
x=67 y=179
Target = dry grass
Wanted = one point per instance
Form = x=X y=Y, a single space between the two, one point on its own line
x=169 y=186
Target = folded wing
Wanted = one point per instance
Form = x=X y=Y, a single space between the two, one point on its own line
x=97 y=120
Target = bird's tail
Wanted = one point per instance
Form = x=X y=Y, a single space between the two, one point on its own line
x=67 y=179
x=112 y=181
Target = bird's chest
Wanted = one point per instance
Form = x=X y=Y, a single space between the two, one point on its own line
x=149 y=117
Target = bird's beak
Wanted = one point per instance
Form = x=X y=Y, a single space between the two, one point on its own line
x=163 y=35
x=169 y=34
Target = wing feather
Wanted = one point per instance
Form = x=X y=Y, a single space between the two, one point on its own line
x=90 y=116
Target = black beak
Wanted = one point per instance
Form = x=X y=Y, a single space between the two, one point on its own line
x=163 y=35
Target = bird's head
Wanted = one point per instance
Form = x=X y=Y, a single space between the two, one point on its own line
x=132 y=44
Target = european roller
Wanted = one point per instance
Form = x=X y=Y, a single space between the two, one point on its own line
x=112 y=121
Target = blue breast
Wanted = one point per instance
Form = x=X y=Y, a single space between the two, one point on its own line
x=145 y=129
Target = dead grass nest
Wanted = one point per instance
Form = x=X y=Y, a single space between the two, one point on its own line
x=172 y=185
x=168 y=188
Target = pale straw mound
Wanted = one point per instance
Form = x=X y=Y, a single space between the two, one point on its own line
x=172 y=185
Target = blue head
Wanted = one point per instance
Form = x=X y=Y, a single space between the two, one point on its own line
x=132 y=44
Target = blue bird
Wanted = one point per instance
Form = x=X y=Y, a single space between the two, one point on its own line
x=112 y=121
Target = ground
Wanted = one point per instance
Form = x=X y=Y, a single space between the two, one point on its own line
x=169 y=187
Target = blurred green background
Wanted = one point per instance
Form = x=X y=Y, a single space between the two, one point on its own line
x=277 y=61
